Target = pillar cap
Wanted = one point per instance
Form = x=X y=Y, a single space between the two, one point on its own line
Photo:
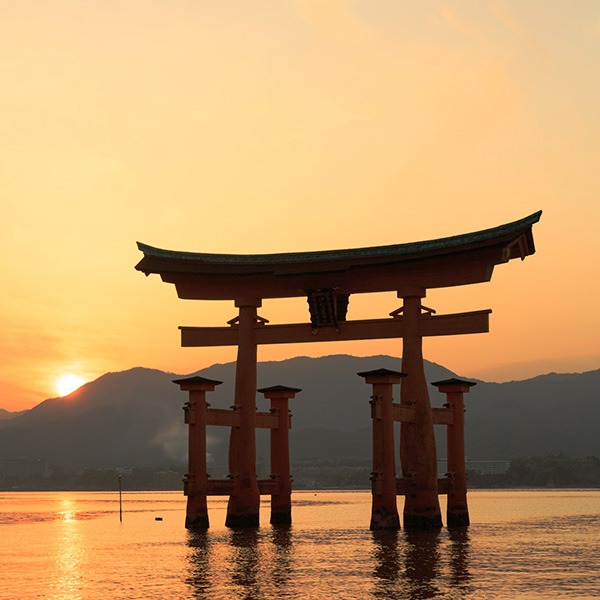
x=278 y=388
x=454 y=385
x=387 y=375
x=197 y=383
x=376 y=372
x=275 y=392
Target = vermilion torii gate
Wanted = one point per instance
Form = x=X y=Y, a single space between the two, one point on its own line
x=327 y=279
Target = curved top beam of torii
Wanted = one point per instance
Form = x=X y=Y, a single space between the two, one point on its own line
x=457 y=260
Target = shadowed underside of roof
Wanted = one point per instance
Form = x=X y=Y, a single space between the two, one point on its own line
x=227 y=276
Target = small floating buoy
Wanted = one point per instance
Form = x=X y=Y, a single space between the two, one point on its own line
x=158 y=518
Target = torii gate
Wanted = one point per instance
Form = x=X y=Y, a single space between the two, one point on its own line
x=327 y=279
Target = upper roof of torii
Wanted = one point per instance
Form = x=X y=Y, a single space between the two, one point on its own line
x=457 y=260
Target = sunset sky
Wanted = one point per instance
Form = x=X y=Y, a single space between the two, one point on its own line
x=279 y=126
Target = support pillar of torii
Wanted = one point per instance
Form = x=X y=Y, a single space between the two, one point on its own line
x=327 y=279
x=457 y=510
x=384 y=512
x=417 y=440
x=198 y=486
x=196 y=479
x=242 y=509
x=281 y=500
x=385 y=486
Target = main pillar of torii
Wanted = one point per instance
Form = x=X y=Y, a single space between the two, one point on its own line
x=327 y=279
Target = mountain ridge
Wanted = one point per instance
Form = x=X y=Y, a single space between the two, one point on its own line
x=134 y=417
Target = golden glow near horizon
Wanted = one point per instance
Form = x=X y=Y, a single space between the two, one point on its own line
x=299 y=125
x=68 y=383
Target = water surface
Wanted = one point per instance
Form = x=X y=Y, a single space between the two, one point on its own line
x=72 y=546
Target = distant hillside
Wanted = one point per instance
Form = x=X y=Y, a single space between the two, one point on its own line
x=7 y=414
x=120 y=419
x=333 y=395
x=135 y=417
x=548 y=414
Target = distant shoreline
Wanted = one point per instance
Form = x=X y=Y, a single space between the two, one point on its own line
x=325 y=489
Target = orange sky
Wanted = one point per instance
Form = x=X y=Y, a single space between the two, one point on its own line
x=245 y=127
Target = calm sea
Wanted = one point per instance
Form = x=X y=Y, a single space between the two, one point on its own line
x=71 y=546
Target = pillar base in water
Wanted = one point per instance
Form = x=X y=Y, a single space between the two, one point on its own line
x=458 y=519
x=384 y=518
x=281 y=517
x=196 y=521
x=429 y=520
x=248 y=520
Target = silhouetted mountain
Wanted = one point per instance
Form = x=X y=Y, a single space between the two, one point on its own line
x=548 y=414
x=7 y=414
x=333 y=395
x=134 y=418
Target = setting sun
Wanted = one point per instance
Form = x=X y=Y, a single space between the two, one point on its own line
x=69 y=383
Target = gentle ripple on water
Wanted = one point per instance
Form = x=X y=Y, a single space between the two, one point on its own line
x=71 y=546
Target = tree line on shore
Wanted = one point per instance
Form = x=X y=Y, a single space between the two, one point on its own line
x=60 y=478
x=552 y=471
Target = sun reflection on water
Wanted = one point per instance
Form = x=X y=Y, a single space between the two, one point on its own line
x=69 y=554
x=68 y=513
